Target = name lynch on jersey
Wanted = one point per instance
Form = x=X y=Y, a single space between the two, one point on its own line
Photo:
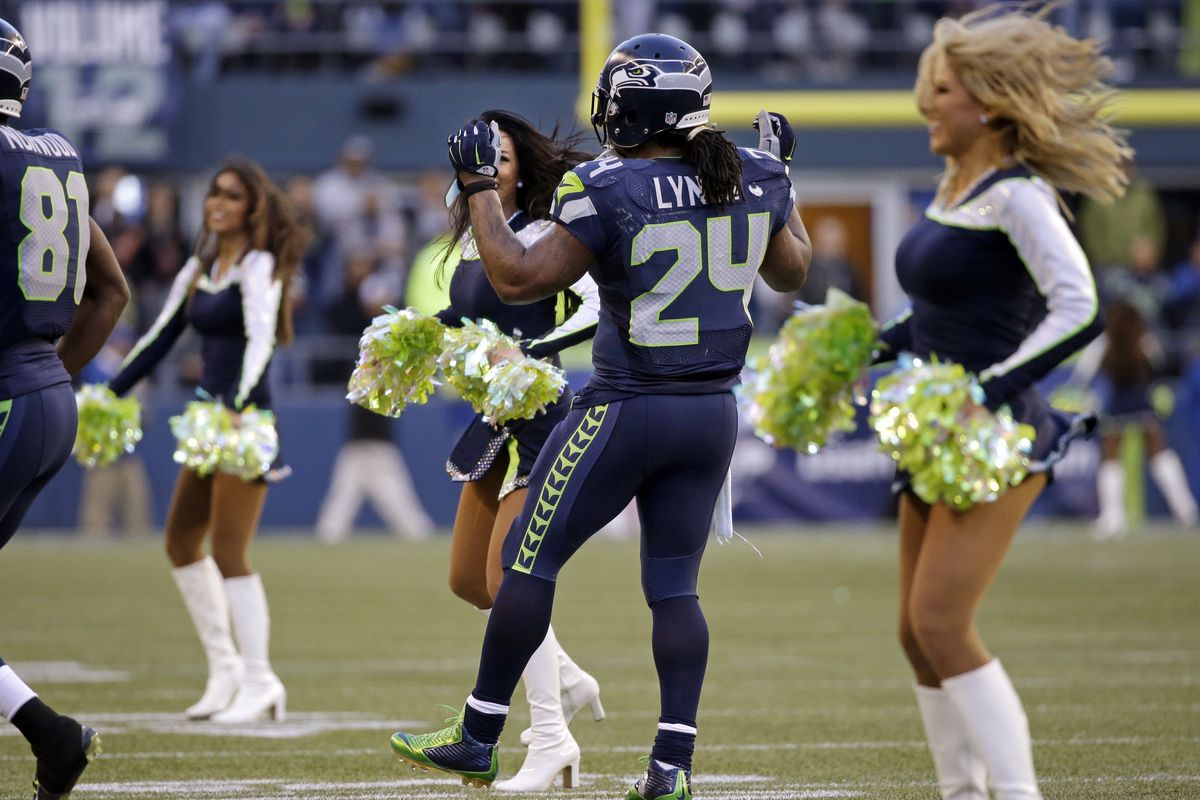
x=46 y=144
x=680 y=191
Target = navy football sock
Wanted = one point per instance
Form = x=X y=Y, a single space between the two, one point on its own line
x=674 y=745
x=483 y=724
x=37 y=722
x=680 y=643
x=516 y=628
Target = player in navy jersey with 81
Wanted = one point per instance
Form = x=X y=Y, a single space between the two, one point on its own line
x=998 y=284
x=674 y=224
x=234 y=291
x=59 y=281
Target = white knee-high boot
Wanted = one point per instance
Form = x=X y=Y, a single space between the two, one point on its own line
x=579 y=689
x=961 y=773
x=576 y=688
x=260 y=694
x=998 y=727
x=1167 y=471
x=552 y=749
x=1110 y=486
x=203 y=591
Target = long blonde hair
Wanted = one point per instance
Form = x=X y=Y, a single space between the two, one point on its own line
x=1044 y=90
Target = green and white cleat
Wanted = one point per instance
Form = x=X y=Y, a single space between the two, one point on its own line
x=450 y=750
x=661 y=784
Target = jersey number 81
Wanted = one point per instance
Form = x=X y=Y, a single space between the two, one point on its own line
x=45 y=214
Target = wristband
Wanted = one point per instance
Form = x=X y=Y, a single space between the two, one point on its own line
x=475 y=187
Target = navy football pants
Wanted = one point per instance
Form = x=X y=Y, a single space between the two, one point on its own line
x=37 y=431
x=671 y=452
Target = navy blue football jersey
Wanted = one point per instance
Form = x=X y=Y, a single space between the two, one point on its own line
x=44 y=237
x=674 y=272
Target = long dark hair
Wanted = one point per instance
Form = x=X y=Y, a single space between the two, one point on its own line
x=541 y=162
x=273 y=226
x=1125 y=361
x=716 y=159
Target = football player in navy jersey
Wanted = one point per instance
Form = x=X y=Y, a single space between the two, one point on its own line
x=234 y=292
x=61 y=293
x=493 y=463
x=998 y=284
x=673 y=223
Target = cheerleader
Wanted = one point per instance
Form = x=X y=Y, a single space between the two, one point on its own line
x=494 y=462
x=998 y=284
x=234 y=292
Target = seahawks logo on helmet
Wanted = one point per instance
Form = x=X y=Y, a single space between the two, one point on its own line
x=693 y=75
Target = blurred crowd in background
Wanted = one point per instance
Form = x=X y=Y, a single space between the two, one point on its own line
x=823 y=41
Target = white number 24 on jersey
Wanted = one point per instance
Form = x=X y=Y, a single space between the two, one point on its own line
x=45 y=214
x=646 y=324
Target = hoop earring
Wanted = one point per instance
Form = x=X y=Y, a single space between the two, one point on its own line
x=984 y=119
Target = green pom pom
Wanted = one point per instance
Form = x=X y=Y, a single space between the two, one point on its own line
x=518 y=388
x=521 y=389
x=109 y=426
x=250 y=448
x=802 y=389
x=465 y=357
x=201 y=432
x=397 y=361
x=929 y=418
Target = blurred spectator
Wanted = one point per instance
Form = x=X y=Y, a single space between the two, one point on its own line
x=357 y=209
x=369 y=465
x=830 y=269
x=844 y=39
x=1182 y=307
x=115 y=497
x=1107 y=231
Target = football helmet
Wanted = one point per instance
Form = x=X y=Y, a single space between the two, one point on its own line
x=16 y=70
x=650 y=84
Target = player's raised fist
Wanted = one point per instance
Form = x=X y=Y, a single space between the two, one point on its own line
x=475 y=149
x=775 y=135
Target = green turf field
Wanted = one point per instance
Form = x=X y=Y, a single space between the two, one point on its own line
x=807 y=693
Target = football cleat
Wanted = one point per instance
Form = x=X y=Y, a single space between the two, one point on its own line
x=58 y=770
x=450 y=750
x=661 y=784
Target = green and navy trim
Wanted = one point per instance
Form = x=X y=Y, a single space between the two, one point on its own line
x=551 y=492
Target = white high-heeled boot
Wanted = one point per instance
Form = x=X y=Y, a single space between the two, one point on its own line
x=577 y=689
x=1167 y=471
x=261 y=693
x=552 y=749
x=203 y=592
x=1110 y=489
x=961 y=773
x=995 y=720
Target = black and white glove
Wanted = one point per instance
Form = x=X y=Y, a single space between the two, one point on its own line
x=475 y=149
x=775 y=135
